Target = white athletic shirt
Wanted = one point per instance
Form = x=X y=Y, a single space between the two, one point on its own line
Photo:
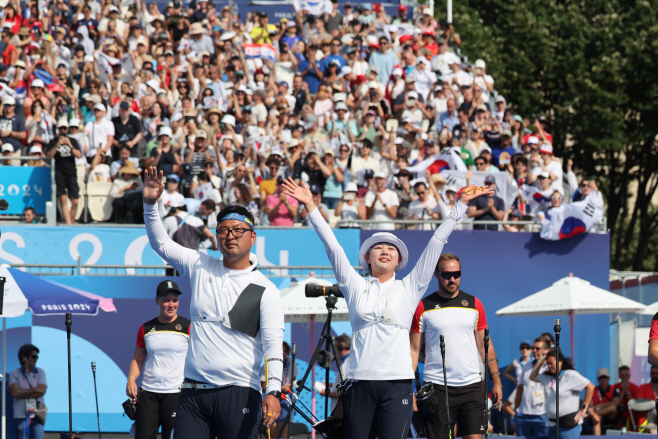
x=382 y=351
x=571 y=384
x=533 y=400
x=166 y=345
x=217 y=354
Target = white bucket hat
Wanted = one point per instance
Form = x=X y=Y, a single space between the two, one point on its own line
x=388 y=238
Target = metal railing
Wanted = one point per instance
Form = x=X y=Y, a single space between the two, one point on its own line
x=317 y=271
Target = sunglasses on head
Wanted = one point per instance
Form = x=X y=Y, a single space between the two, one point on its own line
x=447 y=275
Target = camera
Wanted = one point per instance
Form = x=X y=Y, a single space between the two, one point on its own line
x=315 y=290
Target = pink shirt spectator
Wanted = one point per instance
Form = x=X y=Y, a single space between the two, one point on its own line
x=282 y=217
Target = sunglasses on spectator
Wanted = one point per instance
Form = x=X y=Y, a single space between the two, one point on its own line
x=526 y=348
x=556 y=198
x=344 y=150
x=584 y=184
x=447 y=275
x=34 y=357
x=480 y=163
x=421 y=192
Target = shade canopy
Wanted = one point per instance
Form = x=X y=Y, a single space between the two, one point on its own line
x=650 y=310
x=25 y=291
x=297 y=308
x=571 y=295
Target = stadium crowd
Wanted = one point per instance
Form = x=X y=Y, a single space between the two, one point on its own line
x=362 y=106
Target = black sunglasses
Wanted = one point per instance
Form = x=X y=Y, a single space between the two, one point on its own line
x=447 y=275
x=34 y=357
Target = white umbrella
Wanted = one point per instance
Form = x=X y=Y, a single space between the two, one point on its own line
x=571 y=295
x=297 y=308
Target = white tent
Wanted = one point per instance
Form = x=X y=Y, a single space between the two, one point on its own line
x=650 y=310
x=297 y=308
x=571 y=295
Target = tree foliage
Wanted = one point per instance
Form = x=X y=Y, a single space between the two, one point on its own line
x=590 y=67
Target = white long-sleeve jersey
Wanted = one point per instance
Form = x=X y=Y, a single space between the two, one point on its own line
x=217 y=354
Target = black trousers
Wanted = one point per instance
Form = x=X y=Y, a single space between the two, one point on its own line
x=466 y=409
x=155 y=410
x=227 y=413
x=378 y=409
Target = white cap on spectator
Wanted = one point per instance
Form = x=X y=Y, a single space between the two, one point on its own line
x=482 y=107
x=165 y=131
x=6 y=147
x=341 y=106
x=347 y=39
x=291 y=23
x=340 y=97
x=229 y=120
x=8 y=100
x=100 y=107
x=451 y=188
x=63 y=123
x=381 y=174
x=75 y=122
x=351 y=187
x=424 y=136
x=36 y=148
x=37 y=83
x=438 y=88
x=500 y=98
x=113 y=9
x=546 y=148
x=227 y=36
x=412 y=95
x=545 y=174
x=484 y=148
x=196 y=28
x=397 y=71
x=154 y=84
x=532 y=140
x=86 y=58
x=398 y=140
x=372 y=85
x=346 y=70
x=480 y=64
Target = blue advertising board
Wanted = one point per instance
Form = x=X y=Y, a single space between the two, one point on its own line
x=25 y=186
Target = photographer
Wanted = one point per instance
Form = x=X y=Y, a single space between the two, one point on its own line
x=27 y=385
x=65 y=150
x=127 y=129
x=162 y=344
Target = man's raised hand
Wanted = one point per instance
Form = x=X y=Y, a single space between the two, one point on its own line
x=153 y=185
x=300 y=193
x=473 y=192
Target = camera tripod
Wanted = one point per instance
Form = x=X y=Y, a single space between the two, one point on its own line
x=324 y=358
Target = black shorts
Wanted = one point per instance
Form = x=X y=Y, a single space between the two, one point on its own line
x=67 y=185
x=155 y=410
x=226 y=412
x=466 y=409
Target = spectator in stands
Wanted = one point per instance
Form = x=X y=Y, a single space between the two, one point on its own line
x=279 y=208
x=545 y=162
x=170 y=196
x=605 y=402
x=627 y=389
x=65 y=150
x=12 y=128
x=187 y=230
x=333 y=185
x=513 y=214
x=317 y=197
x=424 y=208
x=384 y=60
x=489 y=208
x=127 y=131
x=581 y=191
x=30 y=215
x=123 y=157
x=36 y=151
x=349 y=207
x=206 y=189
x=381 y=204
x=244 y=198
x=365 y=159
x=127 y=193
x=164 y=155
x=100 y=132
x=505 y=151
x=449 y=119
x=7 y=151
x=98 y=170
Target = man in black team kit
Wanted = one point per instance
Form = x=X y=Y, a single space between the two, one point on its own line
x=461 y=319
x=237 y=322
x=161 y=348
